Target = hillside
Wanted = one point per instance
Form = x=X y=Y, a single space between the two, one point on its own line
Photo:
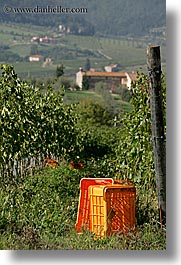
x=116 y=18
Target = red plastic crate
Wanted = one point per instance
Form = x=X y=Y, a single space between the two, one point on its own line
x=82 y=222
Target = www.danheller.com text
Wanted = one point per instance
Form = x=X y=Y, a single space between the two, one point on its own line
x=48 y=9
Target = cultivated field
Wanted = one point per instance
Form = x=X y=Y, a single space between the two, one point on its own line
x=72 y=50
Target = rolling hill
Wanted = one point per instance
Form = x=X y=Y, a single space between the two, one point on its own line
x=103 y=18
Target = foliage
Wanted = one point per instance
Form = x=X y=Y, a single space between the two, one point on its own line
x=62 y=81
x=60 y=70
x=96 y=134
x=124 y=92
x=104 y=90
x=33 y=123
x=45 y=204
x=97 y=143
x=87 y=64
x=59 y=53
x=34 y=49
x=135 y=151
x=85 y=83
x=93 y=112
x=7 y=55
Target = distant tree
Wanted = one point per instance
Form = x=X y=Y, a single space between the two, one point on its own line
x=87 y=65
x=34 y=49
x=85 y=83
x=60 y=70
x=62 y=82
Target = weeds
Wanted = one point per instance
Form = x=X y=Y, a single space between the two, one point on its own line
x=41 y=214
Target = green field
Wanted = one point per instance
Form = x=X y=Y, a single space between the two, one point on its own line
x=23 y=29
x=34 y=69
x=77 y=96
x=130 y=54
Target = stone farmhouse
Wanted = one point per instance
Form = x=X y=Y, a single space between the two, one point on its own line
x=113 y=79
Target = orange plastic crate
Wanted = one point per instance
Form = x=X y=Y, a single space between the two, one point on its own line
x=82 y=222
x=112 y=208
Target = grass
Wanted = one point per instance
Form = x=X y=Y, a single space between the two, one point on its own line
x=6 y=39
x=40 y=212
x=21 y=49
x=146 y=238
x=83 y=42
x=23 y=29
x=77 y=96
x=34 y=69
x=127 y=55
x=126 y=106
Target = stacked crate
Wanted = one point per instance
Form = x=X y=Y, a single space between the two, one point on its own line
x=106 y=207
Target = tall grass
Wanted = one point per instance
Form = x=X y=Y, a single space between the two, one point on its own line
x=40 y=213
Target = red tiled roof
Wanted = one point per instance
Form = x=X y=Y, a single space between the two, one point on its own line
x=106 y=74
x=36 y=56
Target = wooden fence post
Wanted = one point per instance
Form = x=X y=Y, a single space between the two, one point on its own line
x=158 y=136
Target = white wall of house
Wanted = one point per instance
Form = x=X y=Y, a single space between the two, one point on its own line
x=108 y=68
x=79 y=78
x=35 y=58
x=124 y=81
x=129 y=80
